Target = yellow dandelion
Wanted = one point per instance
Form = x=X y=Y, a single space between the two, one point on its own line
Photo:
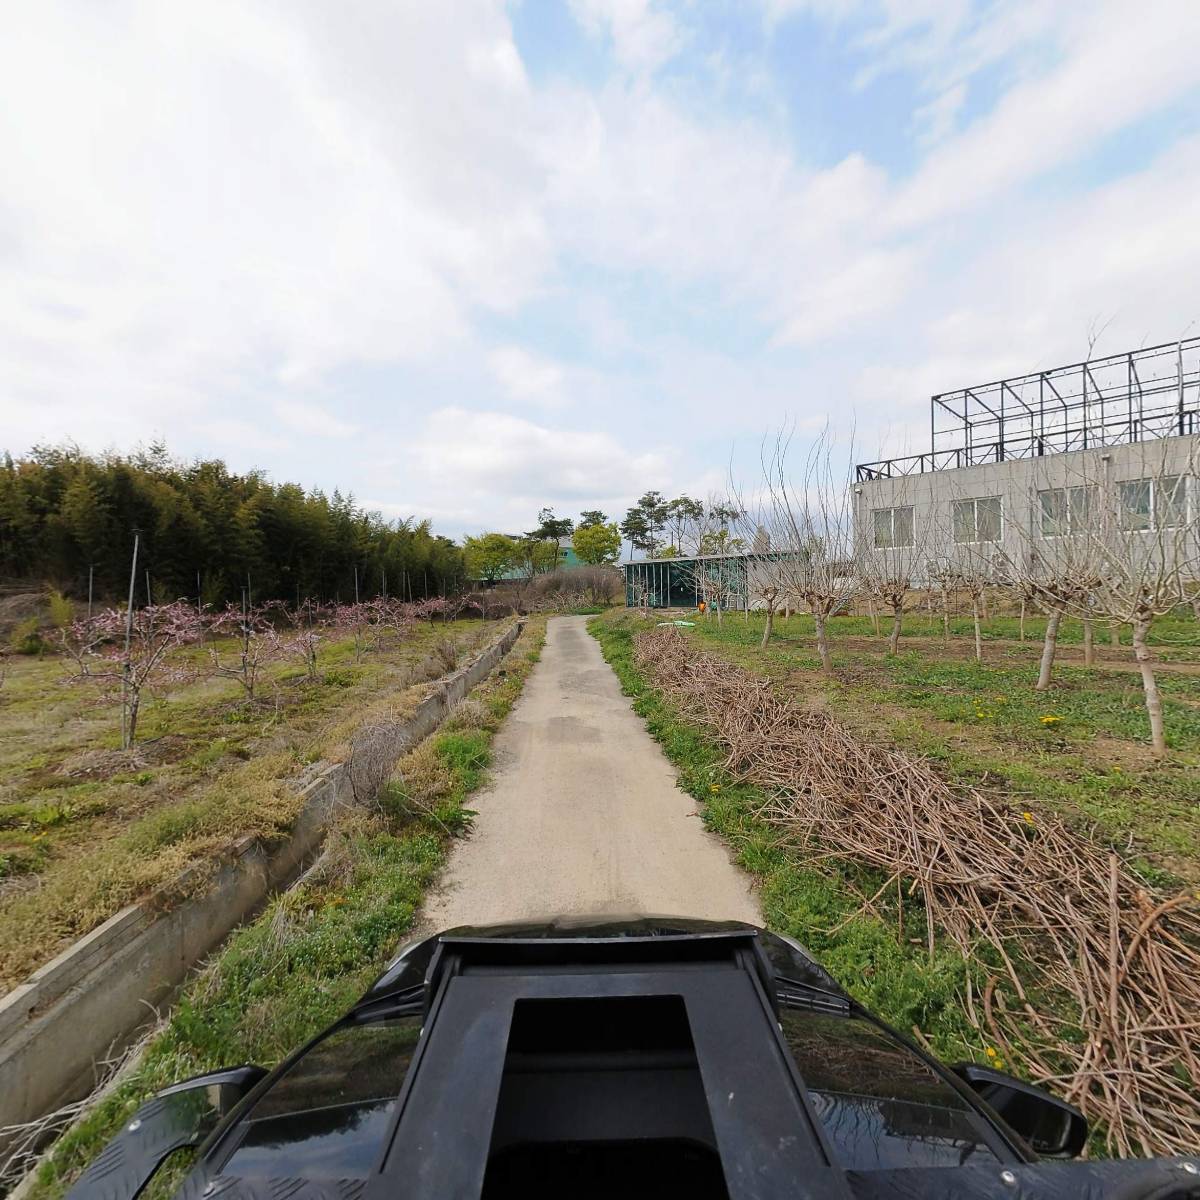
x=1050 y=719
x=990 y=1052
x=997 y=1062
x=714 y=788
x=1028 y=817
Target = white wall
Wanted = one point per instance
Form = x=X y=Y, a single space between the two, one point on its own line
x=1017 y=483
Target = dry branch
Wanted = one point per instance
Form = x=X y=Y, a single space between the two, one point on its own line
x=1122 y=963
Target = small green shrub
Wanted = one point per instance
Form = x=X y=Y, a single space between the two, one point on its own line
x=62 y=611
x=26 y=637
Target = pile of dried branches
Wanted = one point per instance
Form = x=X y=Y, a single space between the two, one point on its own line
x=1054 y=906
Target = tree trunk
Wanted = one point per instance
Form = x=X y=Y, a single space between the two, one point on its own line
x=769 y=628
x=976 y=601
x=1114 y=637
x=787 y=610
x=983 y=604
x=1089 y=651
x=897 y=620
x=1048 y=649
x=945 y=618
x=1141 y=652
x=135 y=703
x=718 y=607
x=1022 y=618
x=822 y=643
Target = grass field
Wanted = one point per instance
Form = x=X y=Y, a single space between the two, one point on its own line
x=317 y=947
x=85 y=827
x=1080 y=749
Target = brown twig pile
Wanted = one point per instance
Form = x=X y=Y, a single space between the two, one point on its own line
x=1055 y=907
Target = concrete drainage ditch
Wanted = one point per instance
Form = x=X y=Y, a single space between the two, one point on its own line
x=93 y=999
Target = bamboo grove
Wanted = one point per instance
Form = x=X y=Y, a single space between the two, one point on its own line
x=206 y=532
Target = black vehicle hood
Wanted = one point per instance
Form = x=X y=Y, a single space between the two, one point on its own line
x=787 y=959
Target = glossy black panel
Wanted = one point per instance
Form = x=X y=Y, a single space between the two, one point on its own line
x=354 y=1064
x=329 y=1143
x=880 y=1105
x=328 y=1114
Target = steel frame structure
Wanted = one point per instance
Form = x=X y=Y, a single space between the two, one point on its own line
x=1137 y=396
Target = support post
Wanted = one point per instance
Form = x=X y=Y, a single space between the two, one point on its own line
x=128 y=640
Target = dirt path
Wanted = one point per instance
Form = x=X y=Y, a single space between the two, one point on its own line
x=583 y=814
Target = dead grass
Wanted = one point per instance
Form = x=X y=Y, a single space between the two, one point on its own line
x=85 y=830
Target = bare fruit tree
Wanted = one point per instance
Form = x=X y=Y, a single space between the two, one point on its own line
x=371 y=623
x=1054 y=564
x=893 y=556
x=1147 y=551
x=714 y=565
x=245 y=643
x=128 y=655
x=810 y=522
x=304 y=643
x=1119 y=551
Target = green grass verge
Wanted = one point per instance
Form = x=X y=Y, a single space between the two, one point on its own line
x=896 y=978
x=317 y=947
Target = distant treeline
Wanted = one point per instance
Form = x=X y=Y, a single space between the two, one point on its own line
x=204 y=530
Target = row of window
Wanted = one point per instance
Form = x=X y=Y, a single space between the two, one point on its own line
x=1141 y=504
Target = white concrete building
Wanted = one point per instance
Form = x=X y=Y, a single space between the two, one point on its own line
x=1015 y=467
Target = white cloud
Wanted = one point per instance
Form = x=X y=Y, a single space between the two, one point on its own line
x=213 y=219
x=644 y=34
x=869 y=283
x=312 y=419
x=190 y=191
x=1123 y=63
x=526 y=376
x=494 y=470
x=933 y=121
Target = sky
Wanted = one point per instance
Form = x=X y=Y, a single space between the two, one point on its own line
x=466 y=258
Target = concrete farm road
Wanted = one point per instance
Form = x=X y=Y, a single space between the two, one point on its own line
x=582 y=814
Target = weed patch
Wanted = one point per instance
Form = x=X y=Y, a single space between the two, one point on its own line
x=100 y=827
x=317 y=947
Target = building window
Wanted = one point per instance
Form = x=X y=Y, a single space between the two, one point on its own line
x=1152 y=503
x=1064 y=510
x=977 y=520
x=893 y=527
